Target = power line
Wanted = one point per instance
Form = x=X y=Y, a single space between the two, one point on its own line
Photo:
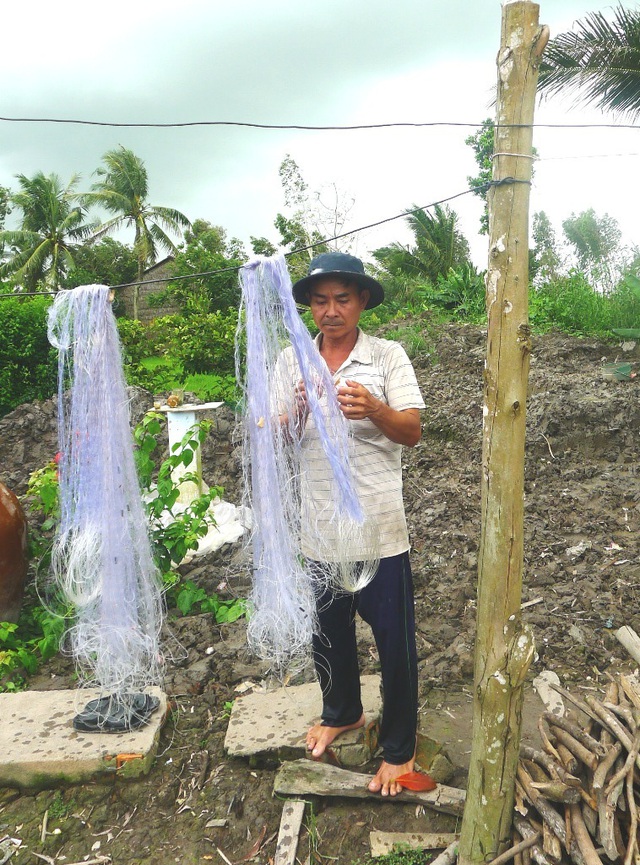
x=482 y=187
x=312 y=128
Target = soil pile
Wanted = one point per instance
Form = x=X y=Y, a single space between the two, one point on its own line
x=582 y=571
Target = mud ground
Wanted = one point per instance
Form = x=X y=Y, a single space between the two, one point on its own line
x=582 y=570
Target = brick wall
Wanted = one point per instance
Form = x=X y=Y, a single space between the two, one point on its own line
x=146 y=312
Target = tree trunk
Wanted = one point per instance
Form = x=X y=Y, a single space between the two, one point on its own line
x=504 y=645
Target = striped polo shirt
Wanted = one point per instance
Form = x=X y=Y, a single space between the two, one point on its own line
x=383 y=367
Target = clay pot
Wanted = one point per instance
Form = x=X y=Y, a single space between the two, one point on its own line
x=13 y=555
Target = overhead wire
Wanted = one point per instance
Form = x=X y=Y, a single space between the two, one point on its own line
x=309 y=127
x=476 y=189
x=232 y=123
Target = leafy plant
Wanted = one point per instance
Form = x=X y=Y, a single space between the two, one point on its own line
x=210 y=387
x=43 y=492
x=207 y=347
x=26 y=644
x=27 y=361
x=632 y=284
x=189 y=596
x=570 y=304
x=401 y=854
x=172 y=541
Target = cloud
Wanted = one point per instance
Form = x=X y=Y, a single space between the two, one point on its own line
x=330 y=62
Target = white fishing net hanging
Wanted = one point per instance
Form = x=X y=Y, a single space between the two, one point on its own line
x=285 y=455
x=102 y=554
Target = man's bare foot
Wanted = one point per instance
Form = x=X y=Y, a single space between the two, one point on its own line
x=384 y=781
x=320 y=736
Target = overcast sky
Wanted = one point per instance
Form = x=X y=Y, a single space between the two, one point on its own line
x=328 y=62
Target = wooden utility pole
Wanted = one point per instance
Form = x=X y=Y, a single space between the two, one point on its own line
x=504 y=645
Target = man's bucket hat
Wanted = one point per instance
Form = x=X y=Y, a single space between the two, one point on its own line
x=338 y=264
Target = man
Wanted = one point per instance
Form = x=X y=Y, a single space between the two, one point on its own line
x=378 y=393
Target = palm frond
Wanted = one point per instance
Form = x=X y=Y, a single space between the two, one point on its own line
x=600 y=62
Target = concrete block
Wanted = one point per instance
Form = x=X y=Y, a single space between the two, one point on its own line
x=40 y=748
x=275 y=723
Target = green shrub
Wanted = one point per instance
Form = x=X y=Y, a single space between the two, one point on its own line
x=570 y=304
x=625 y=308
x=207 y=344
x=25 y=645
x=133 y=338
x=28 y=363
x=213 y=388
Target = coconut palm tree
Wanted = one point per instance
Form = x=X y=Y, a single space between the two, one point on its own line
x=122 y=191
x=439 y=245
x=42 y=248
x=600 y=60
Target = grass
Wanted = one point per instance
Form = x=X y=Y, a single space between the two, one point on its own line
x=400 y=855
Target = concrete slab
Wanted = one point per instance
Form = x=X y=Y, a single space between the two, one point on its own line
x=39 y=747
x=275 y=723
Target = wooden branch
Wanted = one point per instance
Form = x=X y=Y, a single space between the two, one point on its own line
x=553 y=766
x=607 y=805
x=550 y=816
x=630 y=640
x=567 y=825
x=577 y=748
x=448 y=856
x=574 y=730
x=290 y=823
x=509 y=854
x=306 y=777
x=623 y=712
x=571 y=764
x=526 y=830
x=615 y=727
x=632 y=847
x=516 y=839
x=588 y=799
x=590 y=817
x=583 y=838
x=551 y=844
x=546 y=742
x=604 y=766
x=631 y=690
x=627 y=768
x=556 y=791
x=579 y=704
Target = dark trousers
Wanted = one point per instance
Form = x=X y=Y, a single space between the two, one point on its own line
x=386 y=604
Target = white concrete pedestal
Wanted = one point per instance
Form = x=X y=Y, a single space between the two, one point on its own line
x=180 y=420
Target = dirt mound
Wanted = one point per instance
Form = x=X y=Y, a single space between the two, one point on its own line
x=582 y=573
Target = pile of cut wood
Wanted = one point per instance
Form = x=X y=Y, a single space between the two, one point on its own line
x=575 y=797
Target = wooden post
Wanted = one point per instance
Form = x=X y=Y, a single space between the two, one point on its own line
x=504 y=645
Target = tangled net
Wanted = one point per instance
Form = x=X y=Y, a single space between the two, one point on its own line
x=291 y=532
x=102 y=554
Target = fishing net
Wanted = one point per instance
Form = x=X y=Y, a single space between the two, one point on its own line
x=297 y=443
x=102 y=554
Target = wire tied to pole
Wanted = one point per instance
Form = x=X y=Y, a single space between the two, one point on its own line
x=505 y=153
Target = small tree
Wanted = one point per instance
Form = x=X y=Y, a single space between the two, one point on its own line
x=107 y=262
x=545 y=263
x=42 y=249
x=482 y=144
x=207 y=249
x=439 y=246
x=122 y=191
x=596 y=244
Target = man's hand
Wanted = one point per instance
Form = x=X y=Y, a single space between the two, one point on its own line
x=300 y=406
x=357 y=403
